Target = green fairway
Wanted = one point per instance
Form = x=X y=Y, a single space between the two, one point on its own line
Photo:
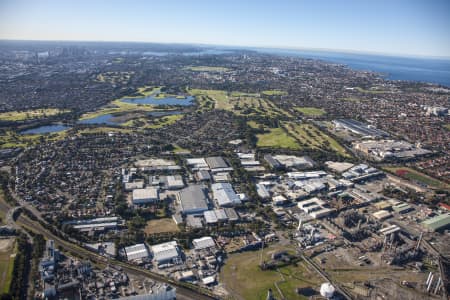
x=310 y=111
x=207 y=69
x=244 y=279
x=274 y=93
x=277 y=138
x=371 y=91
x=30 y=114
x=312 y=137
x=417 y=176
x=238 y=103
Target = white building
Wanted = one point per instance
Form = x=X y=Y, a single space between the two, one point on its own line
x=224 y=194
x=145 y=196
x=136 y=252
x=203 y=243
x=166 y=254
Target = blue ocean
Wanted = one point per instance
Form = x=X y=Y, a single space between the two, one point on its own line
x=392 y=67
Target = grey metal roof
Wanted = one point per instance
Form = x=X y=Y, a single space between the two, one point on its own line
x=193 y=199
x=216 y=162
x=224 y=194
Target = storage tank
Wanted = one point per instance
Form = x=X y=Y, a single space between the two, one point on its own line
x=327 y=290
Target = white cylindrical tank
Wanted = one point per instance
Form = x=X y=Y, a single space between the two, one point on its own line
x=327 y=290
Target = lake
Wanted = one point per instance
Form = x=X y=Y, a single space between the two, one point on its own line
x=45 y=129
x=160 y=101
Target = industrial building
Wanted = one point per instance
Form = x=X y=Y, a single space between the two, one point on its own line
x=315 y=207
x=197 y=164
x=174 y=182
x=437 y=223
x=381 y=215
x=145 y=196
x=272 y=162
x=224 y=194
x=210 y=217
x=217 y=164
x=359 y=128
x=202 y=243
x=129 y=186
x=291 y=161
x=136 y=253
x=96 y=225
x=193 y=200
x=389 y=149
x=166 y=254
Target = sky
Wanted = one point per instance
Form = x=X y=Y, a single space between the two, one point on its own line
x=400 y=27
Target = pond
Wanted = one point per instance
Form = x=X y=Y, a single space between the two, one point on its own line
x=161 y=101
x=46 y=129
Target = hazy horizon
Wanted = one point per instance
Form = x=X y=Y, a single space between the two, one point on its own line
x=395 y=28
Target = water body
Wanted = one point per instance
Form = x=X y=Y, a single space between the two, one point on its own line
x=102 y=119
x=393 y=67
x=161 y=101
x=46 y=129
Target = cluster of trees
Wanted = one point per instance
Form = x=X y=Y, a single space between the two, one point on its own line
x=19 y=282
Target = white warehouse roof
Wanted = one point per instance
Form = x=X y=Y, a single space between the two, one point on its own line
x=137 y=251
x=165 y=251
x=224 y=194
x=203 y=243
x=146 y=195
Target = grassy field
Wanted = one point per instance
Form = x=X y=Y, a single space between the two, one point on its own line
x=277 y=138
x=161 y=225
x=104 y=129
x=310 y=111
x=30 y=114
x=114 y=77
x=11 y=139
x=312 y=137
x=7 y=253
x=417 y=176
x=207 y=69
x=245 y=280
x=447 y=126
x=371 y=91
x=238 y=103
x=274 y=93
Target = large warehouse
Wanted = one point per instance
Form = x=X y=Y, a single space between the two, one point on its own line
x=224 y=194
x=145 y=196
x=166 y=253
x=136 y=252
x=193 y=200
x=437 y=223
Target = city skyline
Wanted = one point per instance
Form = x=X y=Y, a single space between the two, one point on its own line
x=406 y=28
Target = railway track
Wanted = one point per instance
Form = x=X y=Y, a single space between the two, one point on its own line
x=184 y=291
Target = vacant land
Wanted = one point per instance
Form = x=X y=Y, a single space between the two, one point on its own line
x=447 y=126
x=274 y=93
x=207 y=69
x=417 y=177
x=310 y=111
x=161 y=225
x=7 y=254
x=245 y=280
x=309 y=136
x=30 y=114
x=277 y=138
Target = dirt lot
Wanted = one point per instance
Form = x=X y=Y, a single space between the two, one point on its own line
x=161 y=225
